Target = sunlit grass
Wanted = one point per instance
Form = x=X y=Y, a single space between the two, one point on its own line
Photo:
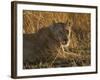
x=78 y=53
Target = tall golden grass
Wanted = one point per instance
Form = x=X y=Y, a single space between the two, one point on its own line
x=80 y=39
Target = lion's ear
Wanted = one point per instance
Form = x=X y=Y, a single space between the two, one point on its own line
x=69 y=23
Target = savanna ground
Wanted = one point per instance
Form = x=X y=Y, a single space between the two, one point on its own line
x=79 y=50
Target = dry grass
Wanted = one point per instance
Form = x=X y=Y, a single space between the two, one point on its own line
x=78 y=51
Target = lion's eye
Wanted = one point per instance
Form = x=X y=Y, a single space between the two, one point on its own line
x=61 y=32
x=67 y=32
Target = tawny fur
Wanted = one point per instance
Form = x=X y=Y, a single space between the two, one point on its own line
x=46 y=45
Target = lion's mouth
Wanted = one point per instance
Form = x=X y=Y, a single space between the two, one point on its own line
x=64 y=42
